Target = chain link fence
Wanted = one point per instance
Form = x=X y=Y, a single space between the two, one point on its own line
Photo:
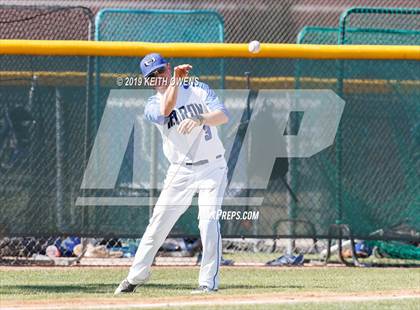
x=52 y=109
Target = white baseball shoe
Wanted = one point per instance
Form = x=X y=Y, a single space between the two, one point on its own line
x=202 y=289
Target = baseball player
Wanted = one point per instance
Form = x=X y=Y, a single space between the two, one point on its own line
x=186 y=115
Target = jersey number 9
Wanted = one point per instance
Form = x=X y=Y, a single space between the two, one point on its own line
x=207 y=133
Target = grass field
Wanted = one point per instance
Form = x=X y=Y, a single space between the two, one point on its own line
x=294 y=288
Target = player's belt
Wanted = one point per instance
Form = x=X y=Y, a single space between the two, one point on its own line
x=201 y=162
x=198 y=163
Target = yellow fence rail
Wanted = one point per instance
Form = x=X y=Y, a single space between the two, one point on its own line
x=207 y=50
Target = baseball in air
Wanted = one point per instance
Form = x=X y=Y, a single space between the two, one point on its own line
x=254 y=47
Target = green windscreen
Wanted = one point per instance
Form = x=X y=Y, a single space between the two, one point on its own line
x=161 y=26
x=380 y=26
x=157 y=26
x=46 y=149
x=370 y=26
x=54 y=111
x=384 y=26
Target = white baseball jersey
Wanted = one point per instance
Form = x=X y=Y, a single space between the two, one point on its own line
x=203 y=142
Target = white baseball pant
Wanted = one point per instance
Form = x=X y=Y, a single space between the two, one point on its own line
x=181 y=183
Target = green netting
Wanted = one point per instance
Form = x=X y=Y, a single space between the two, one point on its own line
x=161 y=26
x=356 y=174
x=367 y=179
x=157 y=26
x=379 y=164
x=385 y=26
x=48 y=122
x=326 y=35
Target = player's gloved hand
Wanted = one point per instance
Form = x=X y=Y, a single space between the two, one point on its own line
x=181 y=71
x=187 y=125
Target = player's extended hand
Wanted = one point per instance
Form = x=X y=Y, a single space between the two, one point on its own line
x=182 y=71
x=187 y=125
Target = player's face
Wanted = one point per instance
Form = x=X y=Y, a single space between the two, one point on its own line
x=163 y=77
x=158 y=73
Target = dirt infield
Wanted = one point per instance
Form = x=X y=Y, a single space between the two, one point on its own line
x=208 y=300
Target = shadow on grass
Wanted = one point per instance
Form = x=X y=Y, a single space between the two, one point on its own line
x=108 y=288
x=59 y=288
